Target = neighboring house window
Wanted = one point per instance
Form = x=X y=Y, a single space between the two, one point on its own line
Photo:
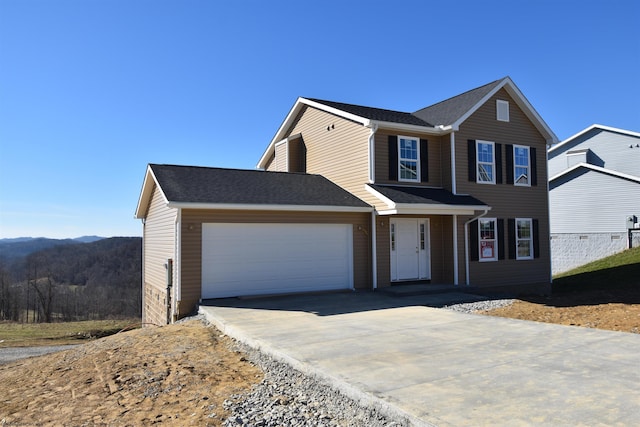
x=524 y=238
x=521 y=166
x=485 y=160
x=502 y=110
x=487 y=238
x=408 y=159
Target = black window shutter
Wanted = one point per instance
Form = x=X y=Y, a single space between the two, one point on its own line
x=424 y=160
x=511 y=237
x=536 y=239
x=471 y=154
x=473 y=241
x=534 y=169
x=498 y=157
x=500 y=236
x=393 y=157
x=509 y=154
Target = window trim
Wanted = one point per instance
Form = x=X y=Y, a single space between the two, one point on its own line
x=500 y=104
x=417 y=159
x=515 y=176
x=478 y=162
x=530 y=239
x=494 y=240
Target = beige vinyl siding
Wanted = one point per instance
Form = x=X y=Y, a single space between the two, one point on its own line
x=336 y=148
x=506 y=200
x=192 y=220
x=281 y=160
x=435 y=148
x=271 y=164
x=159 y=240
x=440 y=244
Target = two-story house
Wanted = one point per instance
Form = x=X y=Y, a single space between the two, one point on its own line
x=594 y=193
x=361 y=198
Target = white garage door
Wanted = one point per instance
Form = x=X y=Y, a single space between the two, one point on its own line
x=260 y=259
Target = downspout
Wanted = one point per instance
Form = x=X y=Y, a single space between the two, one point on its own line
x=177 y=267
x=455 y=250
x=374 y=252
x=452 y=143
x=372 y=153
x=546 y=162
x=466 y=243
x=372 y=178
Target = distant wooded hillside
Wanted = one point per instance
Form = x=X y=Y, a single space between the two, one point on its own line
x=72 y=280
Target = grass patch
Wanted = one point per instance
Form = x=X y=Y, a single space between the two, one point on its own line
x=38 y=334
x=619 y=271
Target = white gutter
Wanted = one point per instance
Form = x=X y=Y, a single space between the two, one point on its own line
x=466 y=243
x=374 y=252
x=452 y=143
x=259 y=207
x=372 y=153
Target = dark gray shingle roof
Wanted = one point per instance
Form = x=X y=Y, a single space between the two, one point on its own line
x=443 y=113
x=422 y=195
x=193 y=184
x=450 y=110
x=375 y=113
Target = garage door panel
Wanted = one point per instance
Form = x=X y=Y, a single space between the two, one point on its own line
x=252 y=259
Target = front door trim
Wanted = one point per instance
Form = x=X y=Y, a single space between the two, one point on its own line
x=410 y=249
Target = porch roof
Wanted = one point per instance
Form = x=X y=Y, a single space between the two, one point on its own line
x=424 y=200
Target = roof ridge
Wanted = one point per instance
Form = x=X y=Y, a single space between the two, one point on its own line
x=233 y=169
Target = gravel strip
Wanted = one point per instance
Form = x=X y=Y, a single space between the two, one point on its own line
x=472 y=307
x=287 y=397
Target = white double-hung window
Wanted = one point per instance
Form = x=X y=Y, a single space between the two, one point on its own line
x=524 y=238
x=521 y=165
x=486 y=162
x=487 y=237
x=408 y=159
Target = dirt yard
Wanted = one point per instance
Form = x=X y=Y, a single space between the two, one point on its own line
x=615 y=310
x=181 y=374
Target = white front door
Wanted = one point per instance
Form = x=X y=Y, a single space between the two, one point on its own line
x=410 y=249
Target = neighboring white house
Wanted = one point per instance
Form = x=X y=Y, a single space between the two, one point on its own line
x=594 y=188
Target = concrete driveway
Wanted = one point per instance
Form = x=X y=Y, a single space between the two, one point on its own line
x=444 y=368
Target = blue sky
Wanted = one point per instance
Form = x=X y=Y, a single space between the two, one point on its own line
x=93 y=91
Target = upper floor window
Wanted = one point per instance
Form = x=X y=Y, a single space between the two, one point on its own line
x=521 y=165
x=502 y=110
x=408 y=159
x=486 y=164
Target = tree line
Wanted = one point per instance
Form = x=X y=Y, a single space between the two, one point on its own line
x=71 y=282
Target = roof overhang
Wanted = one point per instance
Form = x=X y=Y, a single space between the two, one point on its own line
x=394 y=208
x=301 y=103
x=596 y=169
x=589 y=129
x=146 y=193
x=522 y=102
x=263 y=207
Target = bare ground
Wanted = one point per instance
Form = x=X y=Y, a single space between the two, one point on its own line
x=181 y=374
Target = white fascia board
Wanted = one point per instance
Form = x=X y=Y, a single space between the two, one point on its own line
x=431 y=210
x=390 y=203
x=597 y=169
x=522 y=102
x=590 y=128
x=439 y=130
x=257 y=207
x=363 y=121
x=147 y=192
